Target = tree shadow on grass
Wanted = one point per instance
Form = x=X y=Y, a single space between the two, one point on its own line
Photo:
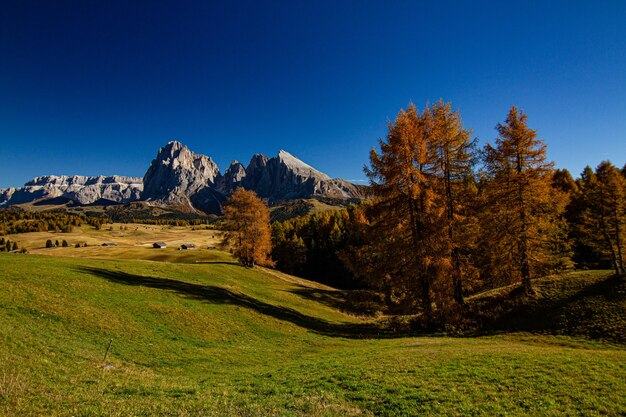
x=593 y=310
x=331 y=298
x=218 y=295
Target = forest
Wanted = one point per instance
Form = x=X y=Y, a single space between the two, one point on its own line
x=446 y=219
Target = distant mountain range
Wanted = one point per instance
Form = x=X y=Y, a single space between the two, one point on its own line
x=180 y=178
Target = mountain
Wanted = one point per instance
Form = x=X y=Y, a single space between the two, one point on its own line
x=191 y=182
x=180 y=177
x=286 y=177
x=80 y=189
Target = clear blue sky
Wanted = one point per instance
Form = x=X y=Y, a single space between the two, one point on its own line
x=96 y=87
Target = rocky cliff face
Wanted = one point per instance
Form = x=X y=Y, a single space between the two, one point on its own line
x=177 y=175
x=83 y=190
x=286 y=177
x=232 y=178
x=190 y=181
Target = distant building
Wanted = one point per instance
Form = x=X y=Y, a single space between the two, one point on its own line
x=186 y=246
x=110 y=244
x=159 y=245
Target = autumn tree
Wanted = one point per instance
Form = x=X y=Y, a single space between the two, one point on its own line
x=247 y=218
x=522 y=225
x=455 y=152
x=603 y=221
x=415 y=218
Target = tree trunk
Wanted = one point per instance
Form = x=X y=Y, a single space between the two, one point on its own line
x=457 y=278
x=618 y=244
x=523 y=238
x=457 y=284
x=605 y=233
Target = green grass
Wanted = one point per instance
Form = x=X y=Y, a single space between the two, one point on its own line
x=585 y=303
x=218 y=339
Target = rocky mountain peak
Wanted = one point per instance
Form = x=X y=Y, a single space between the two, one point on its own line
x=232 y=178
x=298 y=166
x=257 y=162
x=177 y=173
x=180 y=177
x=78 y=188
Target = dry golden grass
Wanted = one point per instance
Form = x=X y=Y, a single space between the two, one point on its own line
x=134 y=240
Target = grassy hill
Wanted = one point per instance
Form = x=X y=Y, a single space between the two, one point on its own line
x=217 y=339
x=585 y=303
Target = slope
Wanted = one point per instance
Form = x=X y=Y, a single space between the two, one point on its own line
x=218 y=339
x=585 y=303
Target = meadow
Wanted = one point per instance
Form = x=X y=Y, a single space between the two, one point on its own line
x=194 y=333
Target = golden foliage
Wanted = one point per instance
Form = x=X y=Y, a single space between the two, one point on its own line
x=419 y=180
x=247 y=219
x=523 y=231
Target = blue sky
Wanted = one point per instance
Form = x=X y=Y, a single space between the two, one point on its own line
x=96 y=87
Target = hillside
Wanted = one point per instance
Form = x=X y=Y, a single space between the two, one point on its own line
x=217 y=339
x=585 y=303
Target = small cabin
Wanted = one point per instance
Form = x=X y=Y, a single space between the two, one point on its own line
x=186 y=246
x=110 y=244
x=159 y=245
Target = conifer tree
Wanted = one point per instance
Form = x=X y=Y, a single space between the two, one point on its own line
x=588 y=246
x=247 y=219
x=521 y=221
x=604 y=214
x=410 y=251
x=455 y=152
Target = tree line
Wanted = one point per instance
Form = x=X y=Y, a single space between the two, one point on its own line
x=17 y=220
x=447 y=218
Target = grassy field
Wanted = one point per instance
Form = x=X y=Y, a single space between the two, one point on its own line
x=216 y=339
x=134 y=240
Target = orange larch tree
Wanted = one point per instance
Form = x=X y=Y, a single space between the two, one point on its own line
x=522 y=213
x=247 y=219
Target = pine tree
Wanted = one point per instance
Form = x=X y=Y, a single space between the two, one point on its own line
x=522 y=213
x=247 y=219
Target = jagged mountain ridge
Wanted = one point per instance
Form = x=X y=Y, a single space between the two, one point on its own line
x=81 y=189
x=192 y=182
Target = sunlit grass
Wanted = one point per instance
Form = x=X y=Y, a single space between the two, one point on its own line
x=219 y=339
